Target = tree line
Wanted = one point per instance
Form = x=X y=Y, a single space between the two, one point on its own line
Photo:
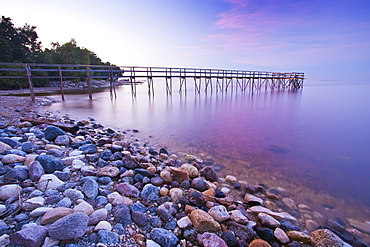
x=21 y=45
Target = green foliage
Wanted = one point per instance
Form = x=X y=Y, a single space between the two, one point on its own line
x=20 y=45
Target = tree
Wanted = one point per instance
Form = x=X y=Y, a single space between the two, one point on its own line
x=18 y=44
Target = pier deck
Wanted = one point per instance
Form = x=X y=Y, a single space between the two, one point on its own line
x=211 y=79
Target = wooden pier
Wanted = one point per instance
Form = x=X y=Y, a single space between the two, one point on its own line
x=206 y=79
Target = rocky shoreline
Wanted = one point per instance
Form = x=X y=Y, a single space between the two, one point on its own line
x=109 y=188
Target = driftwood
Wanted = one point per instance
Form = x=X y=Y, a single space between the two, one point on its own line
x=5 y=126
x=64 y=126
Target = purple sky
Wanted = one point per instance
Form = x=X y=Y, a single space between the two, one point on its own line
x=328 y=40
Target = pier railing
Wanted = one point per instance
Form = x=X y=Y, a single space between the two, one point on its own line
x=213 y=79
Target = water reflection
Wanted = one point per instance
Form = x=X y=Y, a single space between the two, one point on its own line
x=313 y=140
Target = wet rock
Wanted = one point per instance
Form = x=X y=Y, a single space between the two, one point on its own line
x=219 y=213
x=35 y=171
x=109 y=171
x=268 y=221
x=51 y=132
x=9 y=190
x=362 y=226
x=90 y=188
x=167 y=210
x=209 y=174
x=164 y=238
x=179 y=175
x=203 y=222
x=50 y=163
x=55 y=214
x=29 y=237
x=127 y=189
x=49 y=181
x=325 y=237
x=281 y=236
x=299 y=236
x=191 y=170
x=12 y=158
x=212 y=240
x=259 y=243
x=311 y=225
x=122 y=214
x=199 y=184
x=150 y=192
x=76 y=223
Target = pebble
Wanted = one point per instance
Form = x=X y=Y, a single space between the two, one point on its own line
x=164 y=237
x=88 y=183
x=268 y=221
x=76 y=223
x=281 y=236
x=212 y=240
x=252 y=200
x=9 y=190
x=203 y=222
x=33 y=236
x=55 y=214
x=219 y=213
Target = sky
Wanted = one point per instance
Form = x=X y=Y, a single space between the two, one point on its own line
x=325 y=39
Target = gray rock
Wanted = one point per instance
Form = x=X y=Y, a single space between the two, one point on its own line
x=97 y=216
x=139 y=218
x=122 y=214
x=164 y=238
x=35 y=171
x=73 y=194
x=138 y=206
x=51 y=132
x=10 y=142
x=76 y=223
x=242 y=232
x=199 y=184
x=150 y=192
x=29 y=147
x=88 y=149
x=55 y=152
x=62 y=140
x=50 y=163
x=325 y=237
x=157 y=181
x=29 y=237
x=107 y=237
x=18 y=173
x=65 y=203
x=167 y=210
x=90 y=189
x=229 y=238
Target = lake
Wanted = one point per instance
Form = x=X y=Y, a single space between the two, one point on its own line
x=313 y=142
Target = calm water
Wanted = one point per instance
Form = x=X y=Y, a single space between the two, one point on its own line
x=313 y=142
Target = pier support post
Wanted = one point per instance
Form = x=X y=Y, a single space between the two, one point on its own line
x=30 y=84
